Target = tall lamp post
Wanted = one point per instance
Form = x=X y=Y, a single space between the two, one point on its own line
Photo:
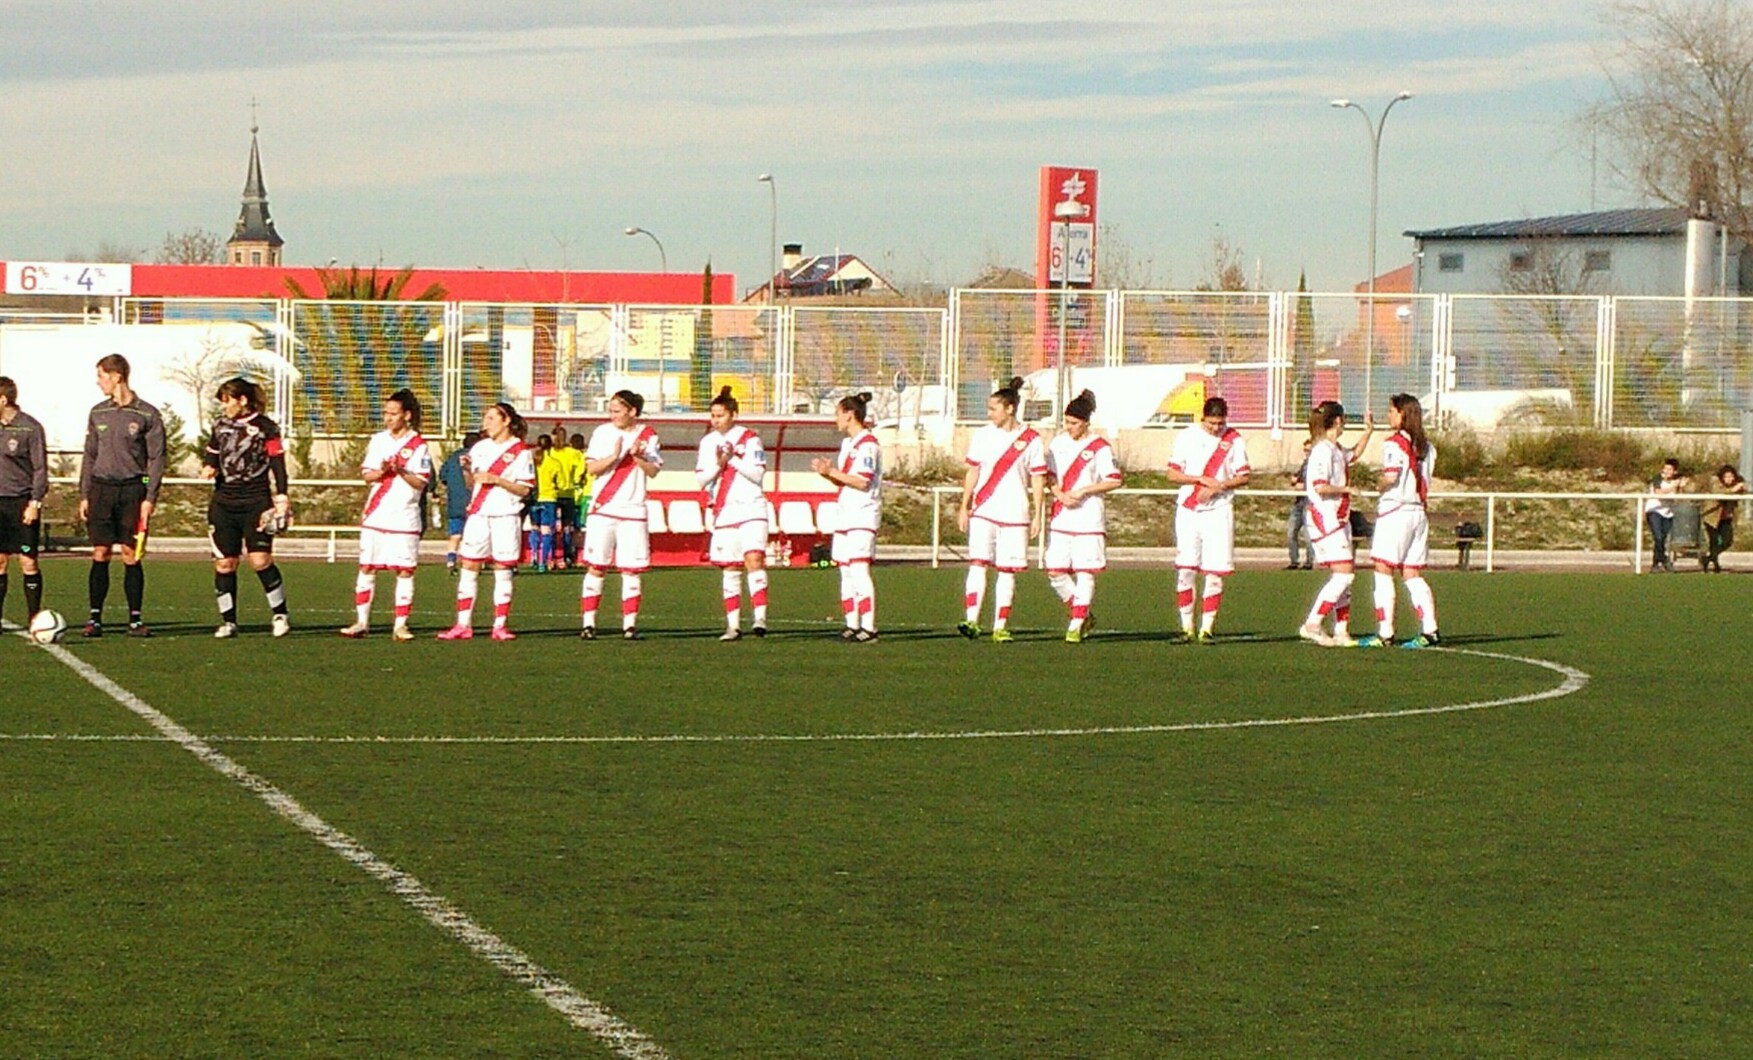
x=1375 y=131
x=663 y=259
x=772 y=234
x=1063 y=213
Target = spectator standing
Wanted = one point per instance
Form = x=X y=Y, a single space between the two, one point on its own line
x=1719 y=517
x=1658 y=511
x=1299 y=514
x=453 y=476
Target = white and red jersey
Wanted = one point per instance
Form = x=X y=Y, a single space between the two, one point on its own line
x=1076 y=462
x=734 y=493
x=1006 y=460
x=620 y=491
x=861 y=509
x=510 y=459
x=1198 y=452
x=1329 y=464
x=1413 y=483
x=391 y=504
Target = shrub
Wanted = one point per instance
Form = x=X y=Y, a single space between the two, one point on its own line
x=1613 y=454
x=1459 y=454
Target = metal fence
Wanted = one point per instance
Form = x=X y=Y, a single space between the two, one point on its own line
x=1485 y=359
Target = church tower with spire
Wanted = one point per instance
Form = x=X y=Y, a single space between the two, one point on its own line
x=253 y=241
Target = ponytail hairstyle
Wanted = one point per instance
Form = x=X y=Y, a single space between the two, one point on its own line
x=519 y=429
x=1323 y=417
x=725 y=401
x=410 y=404
x=858 y=404
x=631 y=400
x=1081 y=407
x=1011 y=393
x=1412 y=422
x=241 y=388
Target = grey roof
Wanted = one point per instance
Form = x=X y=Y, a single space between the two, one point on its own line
x=1659 y=221
x=253 y=223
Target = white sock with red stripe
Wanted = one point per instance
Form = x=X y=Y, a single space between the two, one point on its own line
x=864 y=589
x=1342 y=611
x=1062 y=584
x=590 y=596
x=363 y=588
x=733 y=597
x=466 y=579
x=1185 y=577
x=501 y=596
x=1003 y=592
x=1083 y=594
x=1327 y=600
x=1208 y=606
x=974 y=595
x=758 y=595
x=404 y=599
x=1384 y=605
x=849 y=594
x=629 y=600
x=1423 y=603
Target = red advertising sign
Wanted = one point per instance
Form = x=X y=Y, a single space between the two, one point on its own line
x=1065 y=227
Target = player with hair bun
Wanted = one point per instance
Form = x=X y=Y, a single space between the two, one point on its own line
x=1209 y=463
x=731 y=469
x=246 y=459
x=501 y=473
x=1081 y=468
x=623 y=453
x=1001 y=507
x=1329 y=492
x=859 y=473
x=397 y=468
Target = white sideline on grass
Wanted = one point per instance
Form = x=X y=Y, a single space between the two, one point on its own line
x=583 y=1013
x=1574 y=681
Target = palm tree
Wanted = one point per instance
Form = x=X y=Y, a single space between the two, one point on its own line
x=359 y=341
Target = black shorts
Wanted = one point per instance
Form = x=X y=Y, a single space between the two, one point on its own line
x=234 y=527
x=16 y=538
x=114 y=512
x=568 y=511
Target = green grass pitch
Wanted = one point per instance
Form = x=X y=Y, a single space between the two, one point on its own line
x=1565 y=877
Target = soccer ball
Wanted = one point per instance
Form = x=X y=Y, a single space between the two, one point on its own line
x=48 y=627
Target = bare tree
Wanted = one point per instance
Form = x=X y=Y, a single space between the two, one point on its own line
x=109 y=251
x=1678 y=113
x=1549 y=331
x=1121 y=265
x=191 y=246
x=1223 y=269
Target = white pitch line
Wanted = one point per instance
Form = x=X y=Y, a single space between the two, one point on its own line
x=583 y=1013
x=1574 y=681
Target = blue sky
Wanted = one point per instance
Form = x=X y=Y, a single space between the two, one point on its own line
x=523 y=133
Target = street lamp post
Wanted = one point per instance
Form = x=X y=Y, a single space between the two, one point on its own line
x=772 y=234
x=1375 y=132
x=663 y=259
x=1064 y=212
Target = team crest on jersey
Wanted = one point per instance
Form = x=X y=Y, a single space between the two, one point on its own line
x=133 y=428
x=12 y=445
x=1020 y=446
x=1085 y=455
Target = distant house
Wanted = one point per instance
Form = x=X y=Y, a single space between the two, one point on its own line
x=821 y=276
x=1658 y=252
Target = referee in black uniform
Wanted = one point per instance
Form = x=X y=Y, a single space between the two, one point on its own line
x=246 y=460
x=118 y=488
x=24 y=482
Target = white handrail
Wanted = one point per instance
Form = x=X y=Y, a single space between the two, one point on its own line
x=1488 y=497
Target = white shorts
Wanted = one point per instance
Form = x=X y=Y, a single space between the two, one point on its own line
x=1003 y=547
x=620 y=544
x=732 y=543
x=854 y=546
x=1076 y=552
x=388 y=550
x=1206 y=540
x=1402 y=539
x=1332 y=548
x=498 y=538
